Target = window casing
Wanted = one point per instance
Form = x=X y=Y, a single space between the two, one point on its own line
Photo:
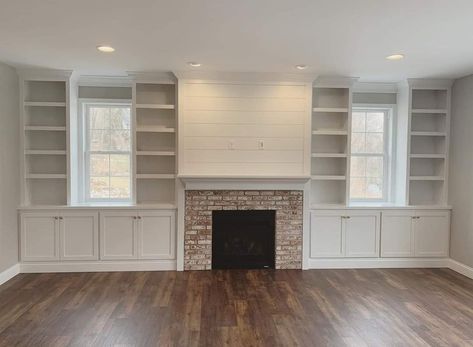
x=371 y=154
x=106 y=154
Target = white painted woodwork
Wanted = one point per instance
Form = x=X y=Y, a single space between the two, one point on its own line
x=157 y=235
x=39 y=237
x=397 y=235
x=118 y=235
x=344 y=233
x=244 y=128
x=415 y=233
x=79 y=235
x=326 y=235
x=432 y=234
x=362 y=232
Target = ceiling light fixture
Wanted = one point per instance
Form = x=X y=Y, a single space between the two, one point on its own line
x=395 y=57
x=301 y=67
x=194 y=64
x=105 y=49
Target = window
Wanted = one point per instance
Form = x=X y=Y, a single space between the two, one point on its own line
x=370 y=157
x=107 y=151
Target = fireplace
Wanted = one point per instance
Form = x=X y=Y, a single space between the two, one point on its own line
x=243 y=239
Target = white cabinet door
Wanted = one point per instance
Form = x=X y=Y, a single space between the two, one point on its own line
x=432 y=234
x=39 y=236
x=79 y=235
x=362 y=234
x=118 y=235
x=326 y=234
x=397 y=237
x=156 y=237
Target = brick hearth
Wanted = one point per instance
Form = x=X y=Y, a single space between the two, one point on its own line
x=198 y=222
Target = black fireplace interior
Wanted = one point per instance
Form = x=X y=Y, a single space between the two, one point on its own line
x=243 y=239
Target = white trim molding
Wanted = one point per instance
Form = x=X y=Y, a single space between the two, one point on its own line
x=461 y=268
x=98 y=266
x=378 y=263
x=9 y=273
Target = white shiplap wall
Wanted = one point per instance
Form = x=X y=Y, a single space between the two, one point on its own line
x=221 y=125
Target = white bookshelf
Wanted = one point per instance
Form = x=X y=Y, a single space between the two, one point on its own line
x=154 y=103
x=429 y=126
x=44 y=136
x=331 y=119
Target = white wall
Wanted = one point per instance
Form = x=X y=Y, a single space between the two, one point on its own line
x=9 y=166
x=221 y=125
x=461 y=171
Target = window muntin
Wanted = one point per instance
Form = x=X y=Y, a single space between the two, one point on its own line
x=107 y=152
x=369 y=155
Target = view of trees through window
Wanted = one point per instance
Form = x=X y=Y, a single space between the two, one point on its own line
x=109 y=152
x=368 y=154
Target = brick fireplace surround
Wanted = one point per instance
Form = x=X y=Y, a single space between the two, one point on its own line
x=198 y=222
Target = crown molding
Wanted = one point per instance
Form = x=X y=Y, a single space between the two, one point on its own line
x=335 y=81
x=152 y=77
x=375 y=87
x=427 y=83
x=245 y=76
x=44 y=74
x=104 y=81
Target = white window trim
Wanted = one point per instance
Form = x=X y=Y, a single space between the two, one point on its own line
x=389 y=154
x=84 y=194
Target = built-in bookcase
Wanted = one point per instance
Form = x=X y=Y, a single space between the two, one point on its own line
x=44 y=124
x=331 y=117
x=429 y=124
x=155 y=141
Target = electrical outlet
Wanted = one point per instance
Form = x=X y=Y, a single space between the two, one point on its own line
x=231 y=144
x=260 y=144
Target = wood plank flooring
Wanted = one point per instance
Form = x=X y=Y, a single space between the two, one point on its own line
x=396 y=307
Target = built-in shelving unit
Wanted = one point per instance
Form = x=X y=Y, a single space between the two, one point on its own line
x=154 y=103
x=331 y=119
x=44 y=124
x=429 y=124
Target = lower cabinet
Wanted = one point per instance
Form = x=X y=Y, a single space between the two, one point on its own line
x=59 y=235
x=336 y=234
x=137 y=235
x=415 y=233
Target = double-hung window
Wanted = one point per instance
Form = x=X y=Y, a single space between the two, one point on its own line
x=370 y=154
x=107 y=151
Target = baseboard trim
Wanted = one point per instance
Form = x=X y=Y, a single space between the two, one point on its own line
x=99 y=266
x=372 y=263
x=461 y=268
x=9 y=273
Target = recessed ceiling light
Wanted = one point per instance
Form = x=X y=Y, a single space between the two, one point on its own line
x=105 y=49
x=194 y=64
x=395 y=57
x=301 y=67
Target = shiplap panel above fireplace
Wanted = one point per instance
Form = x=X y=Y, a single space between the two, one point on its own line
x=244 y=128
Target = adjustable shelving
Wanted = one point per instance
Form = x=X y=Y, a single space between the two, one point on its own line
x=155 y=141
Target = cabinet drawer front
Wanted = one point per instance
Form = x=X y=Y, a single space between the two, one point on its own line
x=326 y=236
x=39 y=238
x=157 y=236
x=362 y=236
x=117 y=237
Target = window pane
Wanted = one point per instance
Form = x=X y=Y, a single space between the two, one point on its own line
x=119 y=118
x=120 y=187
x=357 y=188
x=358 y=166
x=375 y=121
x=99 y=117
x=358 y=143
x=374 y=188
x=120 y=165
x=99 y=165
x=99 y=187
x=374 y=143
x=374 y=167
x=358 y=121
x=99 y=140
x=120 y=140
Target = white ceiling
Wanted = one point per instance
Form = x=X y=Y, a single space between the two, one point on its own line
x=333 y=37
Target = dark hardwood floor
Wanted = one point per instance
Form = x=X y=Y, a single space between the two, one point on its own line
x=239 y=308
